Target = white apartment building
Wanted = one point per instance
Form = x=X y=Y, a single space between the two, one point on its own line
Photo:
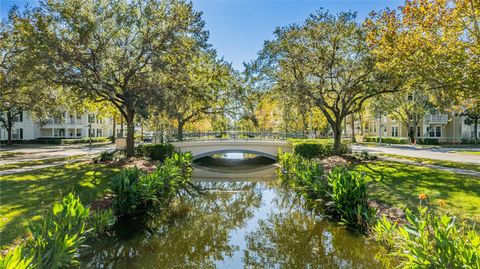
x=71 y=125
x=444 y=127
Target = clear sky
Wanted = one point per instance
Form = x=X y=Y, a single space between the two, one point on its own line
x=238 y=28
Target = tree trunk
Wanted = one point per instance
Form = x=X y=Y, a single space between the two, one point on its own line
x=475 y=129
x=130 y=132
x=9 y=127
x=121 y=126
x=181 y=123
x=337 y=137
x=353 y=129
x=360 y=118
x=114 y=133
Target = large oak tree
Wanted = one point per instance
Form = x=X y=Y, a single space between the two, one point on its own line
x=112 y=50
x=326 y=60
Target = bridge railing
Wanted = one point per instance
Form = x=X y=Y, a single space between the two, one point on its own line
x=233 y=135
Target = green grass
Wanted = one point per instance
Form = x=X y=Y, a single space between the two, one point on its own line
x=5 y=154
x=36 y=162
x=27 y=196
x=399 y=184
x=460 y=165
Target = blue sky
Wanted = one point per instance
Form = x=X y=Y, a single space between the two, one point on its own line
x=239 y=28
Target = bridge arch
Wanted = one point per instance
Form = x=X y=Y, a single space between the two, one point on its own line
x=201 y=149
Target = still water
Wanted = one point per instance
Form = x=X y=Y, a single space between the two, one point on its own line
x=245 y=219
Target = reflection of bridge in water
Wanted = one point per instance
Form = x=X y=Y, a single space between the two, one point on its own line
x=201 y=173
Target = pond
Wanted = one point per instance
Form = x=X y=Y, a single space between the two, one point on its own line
x=239 y=222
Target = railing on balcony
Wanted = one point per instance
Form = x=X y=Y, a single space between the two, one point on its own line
x=437 y=118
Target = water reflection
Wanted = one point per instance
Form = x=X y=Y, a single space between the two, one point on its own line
x=233 y=225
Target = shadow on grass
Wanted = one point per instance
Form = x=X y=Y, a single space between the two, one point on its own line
x=29 y=195
x=400 y=184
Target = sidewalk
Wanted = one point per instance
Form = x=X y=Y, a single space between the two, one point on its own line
x=443 y=154
x=438 y=167
x=42 y=152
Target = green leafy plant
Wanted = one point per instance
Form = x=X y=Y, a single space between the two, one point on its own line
x=128 y=191
x=136 y=192
x=430 y=240
x=348 y=200
x=16 y=259
x=101 y=222
x=57 y=237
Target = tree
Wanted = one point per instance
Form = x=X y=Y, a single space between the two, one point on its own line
x=471 y=109
x=408 y=106
x=20 y=88
x=326 y=59
x=114 y=51
x=438 y=41
x=198 y=86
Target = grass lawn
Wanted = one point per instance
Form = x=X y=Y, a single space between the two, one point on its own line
x=36 y=162
x=460 y=165
x=399 y=184
x=27 y=196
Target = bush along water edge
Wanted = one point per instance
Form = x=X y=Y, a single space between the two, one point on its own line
x=429 y=238
x=341 y=192
x=56 y=239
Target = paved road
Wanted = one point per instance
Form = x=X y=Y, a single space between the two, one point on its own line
x=443 y=154
x=44 y=152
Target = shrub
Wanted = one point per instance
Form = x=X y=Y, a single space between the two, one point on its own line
x=347 y=198
x=70 y=141
x=317 y=148
x=364 y=156
x=136 y=192
x=110 y=156
x=57 y=237
x=428 y=141
x=127 y=190
x=101 y=222
x=158 y=152
x=430 y=240
x=387 y=140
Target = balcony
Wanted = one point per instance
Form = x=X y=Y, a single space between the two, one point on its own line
x=437 y=118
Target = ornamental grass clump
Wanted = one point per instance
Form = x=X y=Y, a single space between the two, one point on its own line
x=430 y=239
x=347 y=199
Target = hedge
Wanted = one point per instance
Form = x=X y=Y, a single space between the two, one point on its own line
x=428 y=141
x=387 y=140
x=158 y=152
x=317 y=148
x=70 y=141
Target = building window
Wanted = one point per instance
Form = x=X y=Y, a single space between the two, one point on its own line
x=91 y=118
x=410 y=117
x=18 y=117
x=435 y=131
x=394 y=131
x=79 y=132
x=99 y=132
x=419 y=131
x=438 y=131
